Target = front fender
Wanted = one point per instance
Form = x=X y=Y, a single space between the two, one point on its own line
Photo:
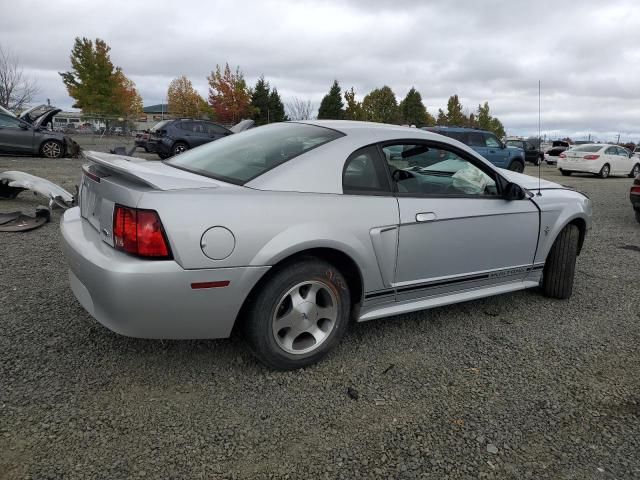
x=558 y=209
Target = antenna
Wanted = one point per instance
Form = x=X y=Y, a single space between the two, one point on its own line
x=539 y=142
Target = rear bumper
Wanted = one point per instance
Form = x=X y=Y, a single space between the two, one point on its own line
x=150 y=299
x=587 y=166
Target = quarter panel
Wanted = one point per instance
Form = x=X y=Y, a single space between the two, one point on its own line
x=270 y=226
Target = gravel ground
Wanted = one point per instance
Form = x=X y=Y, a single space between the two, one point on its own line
x=516 y=386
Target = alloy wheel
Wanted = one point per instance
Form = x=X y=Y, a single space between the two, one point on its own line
x=304 y=317
x=51 y=149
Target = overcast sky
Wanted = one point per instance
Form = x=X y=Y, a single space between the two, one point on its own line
x=586 y=54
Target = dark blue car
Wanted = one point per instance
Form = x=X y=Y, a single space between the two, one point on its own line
x=487 y=145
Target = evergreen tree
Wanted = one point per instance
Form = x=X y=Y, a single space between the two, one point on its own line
x=331 y=107
x=455 y=116
x=413 y=111
x=276 y=108
x=442 y=118
x=354 y=108
x=487 y=122
x=380 y=105
x=260 y=102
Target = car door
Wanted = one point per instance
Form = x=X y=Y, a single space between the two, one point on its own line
x=15 y=136
x=476 y=141
x=496 y=151
x=457 y=231
x=611 y=157
x=626 y=163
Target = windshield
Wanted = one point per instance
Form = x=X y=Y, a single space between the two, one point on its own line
x=514 y=143
x=244 y=156
x=587 y=148
x=159 y=125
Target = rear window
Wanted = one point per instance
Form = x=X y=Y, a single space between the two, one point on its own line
x=587 y=148
x=241 y=157
x=159 y=126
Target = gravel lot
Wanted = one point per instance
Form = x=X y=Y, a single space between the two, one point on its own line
x=516 y=386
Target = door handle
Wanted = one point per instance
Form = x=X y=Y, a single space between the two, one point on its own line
x=426 y=217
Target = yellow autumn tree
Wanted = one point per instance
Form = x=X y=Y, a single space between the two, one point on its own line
x=184 y=100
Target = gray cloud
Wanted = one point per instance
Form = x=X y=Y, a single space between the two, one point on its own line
x=586 y=54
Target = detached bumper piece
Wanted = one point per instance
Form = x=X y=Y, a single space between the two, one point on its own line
x=19 y=222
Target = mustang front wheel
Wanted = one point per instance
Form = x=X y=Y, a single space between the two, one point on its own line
x=560 y=267
x=299 y=315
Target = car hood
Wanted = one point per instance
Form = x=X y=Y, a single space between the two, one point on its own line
x=514 y=149
x=39 y=115
x=527 y=181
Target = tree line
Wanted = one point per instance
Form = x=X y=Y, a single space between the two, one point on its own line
x=100 y=87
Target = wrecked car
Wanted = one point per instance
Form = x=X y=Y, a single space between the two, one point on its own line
x=28 y=134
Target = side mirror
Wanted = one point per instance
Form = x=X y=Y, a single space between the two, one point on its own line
x=503 y=145
x=514 y=192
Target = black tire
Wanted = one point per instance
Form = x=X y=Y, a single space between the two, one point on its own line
x=565 y=173
x=261 y=313
x=52 y=149
x=635 y=171
x=178 y=148
x=163 y=156
x=605 y=171
x=516 y=166
x=560 y=267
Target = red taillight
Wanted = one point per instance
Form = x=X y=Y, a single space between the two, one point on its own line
x=591 y=157
x=139 y=232
x=562 y=155
x=635 y=190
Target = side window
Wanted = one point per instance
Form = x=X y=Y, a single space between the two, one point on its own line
x=363 y=174
x=426 y=170
x=623 y=152
x=216 y=129
x=9 y=121
x=610 y=151
x=188 y=126
x=491 y=141
x=476 y=139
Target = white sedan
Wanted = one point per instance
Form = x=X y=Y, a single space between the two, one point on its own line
x=599 y=159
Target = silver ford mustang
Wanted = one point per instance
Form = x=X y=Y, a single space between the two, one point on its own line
x=292 y=229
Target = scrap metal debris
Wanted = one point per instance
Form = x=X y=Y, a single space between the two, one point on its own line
x=19 y=222
x=12 y=183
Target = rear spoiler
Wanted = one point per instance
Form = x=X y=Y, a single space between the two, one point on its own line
x=156 y=175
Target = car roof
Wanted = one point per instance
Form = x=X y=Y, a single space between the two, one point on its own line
x=455 y=129
x=320 y=169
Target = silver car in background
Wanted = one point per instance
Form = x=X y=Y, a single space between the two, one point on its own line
x=292 y=229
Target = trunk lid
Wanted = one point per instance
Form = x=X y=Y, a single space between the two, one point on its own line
x=117 y=179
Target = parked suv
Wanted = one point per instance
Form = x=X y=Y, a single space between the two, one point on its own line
x=172 y=137
x=531 y=152
x=487 y=145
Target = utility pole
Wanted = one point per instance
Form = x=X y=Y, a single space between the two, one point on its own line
x=618 y=141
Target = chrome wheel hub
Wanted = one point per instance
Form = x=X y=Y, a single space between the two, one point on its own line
x=305 y=317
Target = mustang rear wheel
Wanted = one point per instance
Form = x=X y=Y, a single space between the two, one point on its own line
x=604 y=171
x=559 y=269
x=52 y=149
x=298 y=315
